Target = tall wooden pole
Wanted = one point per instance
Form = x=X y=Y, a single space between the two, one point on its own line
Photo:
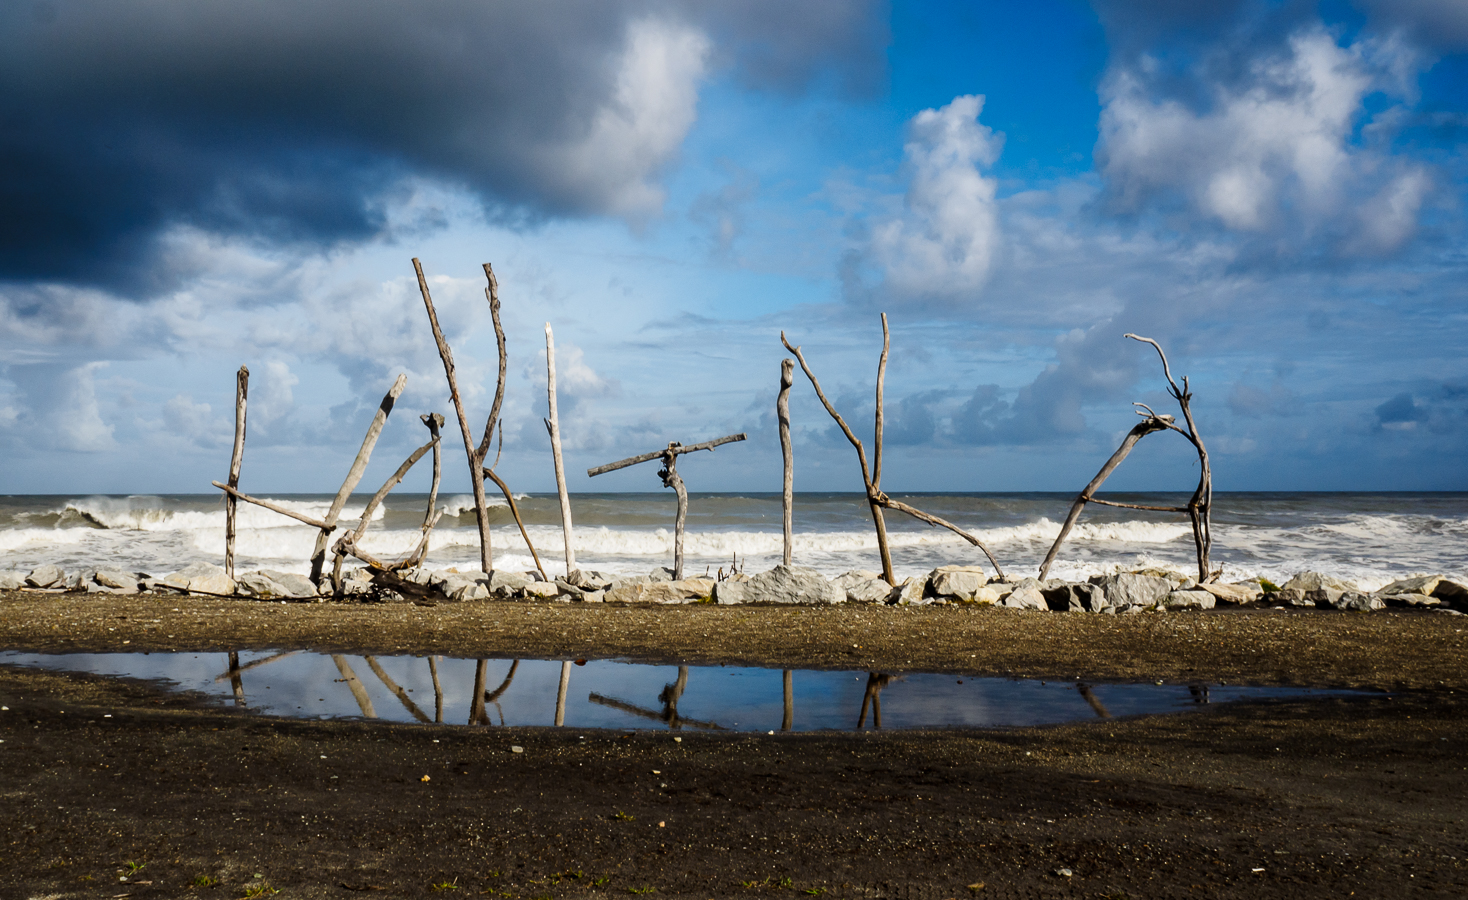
x=242 y=390
x=782 y=412
x=553 y=426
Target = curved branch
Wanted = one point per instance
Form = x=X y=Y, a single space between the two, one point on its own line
x=883 y=500
x=1166 y=370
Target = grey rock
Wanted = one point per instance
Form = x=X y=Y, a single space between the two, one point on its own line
x=1408 y=600
x=793 y=584
x=294 y=586
x=202 y=578
x=1189 y=600
x=1422 y=584
x=661 y=573
x=871 y=590
x=956 y=581
x=1452 y=593
x=507 y=584
x=1290 y=597
x=542 y=589
x=728 y=593
x=258 y=585
x=589 y=580
x=1322 y=589
x=909 y=592
x=416 y=576
x=1234 y=594
x=624 y=580
x=568 y=590
x=45 y=577
x=689 y=590
x=1129 y=589
x=117 y=580
x=1063 y=596
x=1026 y=595
x=463 y=591
x=985 y=596
x=12 y=581
x=1355 y=601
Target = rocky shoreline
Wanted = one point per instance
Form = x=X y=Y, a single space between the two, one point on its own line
x=1140 y=590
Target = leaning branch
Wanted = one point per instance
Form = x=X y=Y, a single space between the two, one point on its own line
x=299 y=517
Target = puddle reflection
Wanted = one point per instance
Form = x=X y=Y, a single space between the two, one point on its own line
x=611 y=694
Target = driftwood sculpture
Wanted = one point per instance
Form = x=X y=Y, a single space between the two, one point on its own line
x=872 y=478
x=1200 y=505
x=669 y=474
x=477 y=454
x=354 y=475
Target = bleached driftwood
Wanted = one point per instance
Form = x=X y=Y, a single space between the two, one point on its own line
x=669 y=474
x=782 y=413
x=476 y=454
x=434 y=423
x=877 y=500
x=354 y=474
x=553 y=425
x=347 y=543
x=242 y=390
x=515 y=511
x=1200 y=505
x=266 y=504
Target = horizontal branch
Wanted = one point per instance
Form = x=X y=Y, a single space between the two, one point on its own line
x=1181 y=509
x=675 y=449
x=300 y=517
x=885 y=501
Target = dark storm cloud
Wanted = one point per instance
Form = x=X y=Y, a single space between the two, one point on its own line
x=296 y=121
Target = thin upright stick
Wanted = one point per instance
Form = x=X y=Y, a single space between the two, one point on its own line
x=242 y=390
x=553 y=425
x=515 y=511
x=354 y=475
x=561 y=694
x=782 y=412
x=476 y=475
x=434 y=422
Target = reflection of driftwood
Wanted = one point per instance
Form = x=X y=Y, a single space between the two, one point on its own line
x=782 y=412
x=873 y=698
x=1199 y=692
x=1200 y=505
x=669 y=474
x=235 y=668
x=437 y=689
x=872 y=479
x=561 y=692
x=236 y=683
x=396 y=689
x=553 y=425
x=242 y=390
x=358 y=691
x=354 y=474
x=788 y=722
x=668 y=697
x=478 y=706
x=498 y=692
x=1091 y=698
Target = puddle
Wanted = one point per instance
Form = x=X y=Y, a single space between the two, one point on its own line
x=611 y=694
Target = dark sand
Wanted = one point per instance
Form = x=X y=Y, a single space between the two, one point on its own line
x=1329 y=798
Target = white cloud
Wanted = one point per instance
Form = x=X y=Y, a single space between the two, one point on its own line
x=945 y=243
x=1274 y=154
x=63 y=412
x=641 y=126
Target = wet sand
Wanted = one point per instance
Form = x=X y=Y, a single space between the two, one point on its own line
x=1324 y=797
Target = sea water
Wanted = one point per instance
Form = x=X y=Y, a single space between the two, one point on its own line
x=1369 y=538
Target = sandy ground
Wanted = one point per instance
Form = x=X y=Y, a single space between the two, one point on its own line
x=103 y=779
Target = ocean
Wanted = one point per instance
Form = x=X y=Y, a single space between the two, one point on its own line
x=1368 y=538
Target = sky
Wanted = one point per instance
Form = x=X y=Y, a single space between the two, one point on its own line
x=1274 y=191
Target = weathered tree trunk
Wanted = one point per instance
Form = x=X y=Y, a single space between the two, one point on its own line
x=782 y=412
x=347 y=543
x=354 y=474
x=553 y=425
x=669 y=475
x=242 y=390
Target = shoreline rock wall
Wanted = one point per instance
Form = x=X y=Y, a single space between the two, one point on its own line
x=1121 y=593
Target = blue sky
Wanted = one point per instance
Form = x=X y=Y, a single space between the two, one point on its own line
x=1275 y=191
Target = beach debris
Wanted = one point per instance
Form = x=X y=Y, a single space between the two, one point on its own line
x=1200 y=505
x=669 y=474
x=872 y=478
